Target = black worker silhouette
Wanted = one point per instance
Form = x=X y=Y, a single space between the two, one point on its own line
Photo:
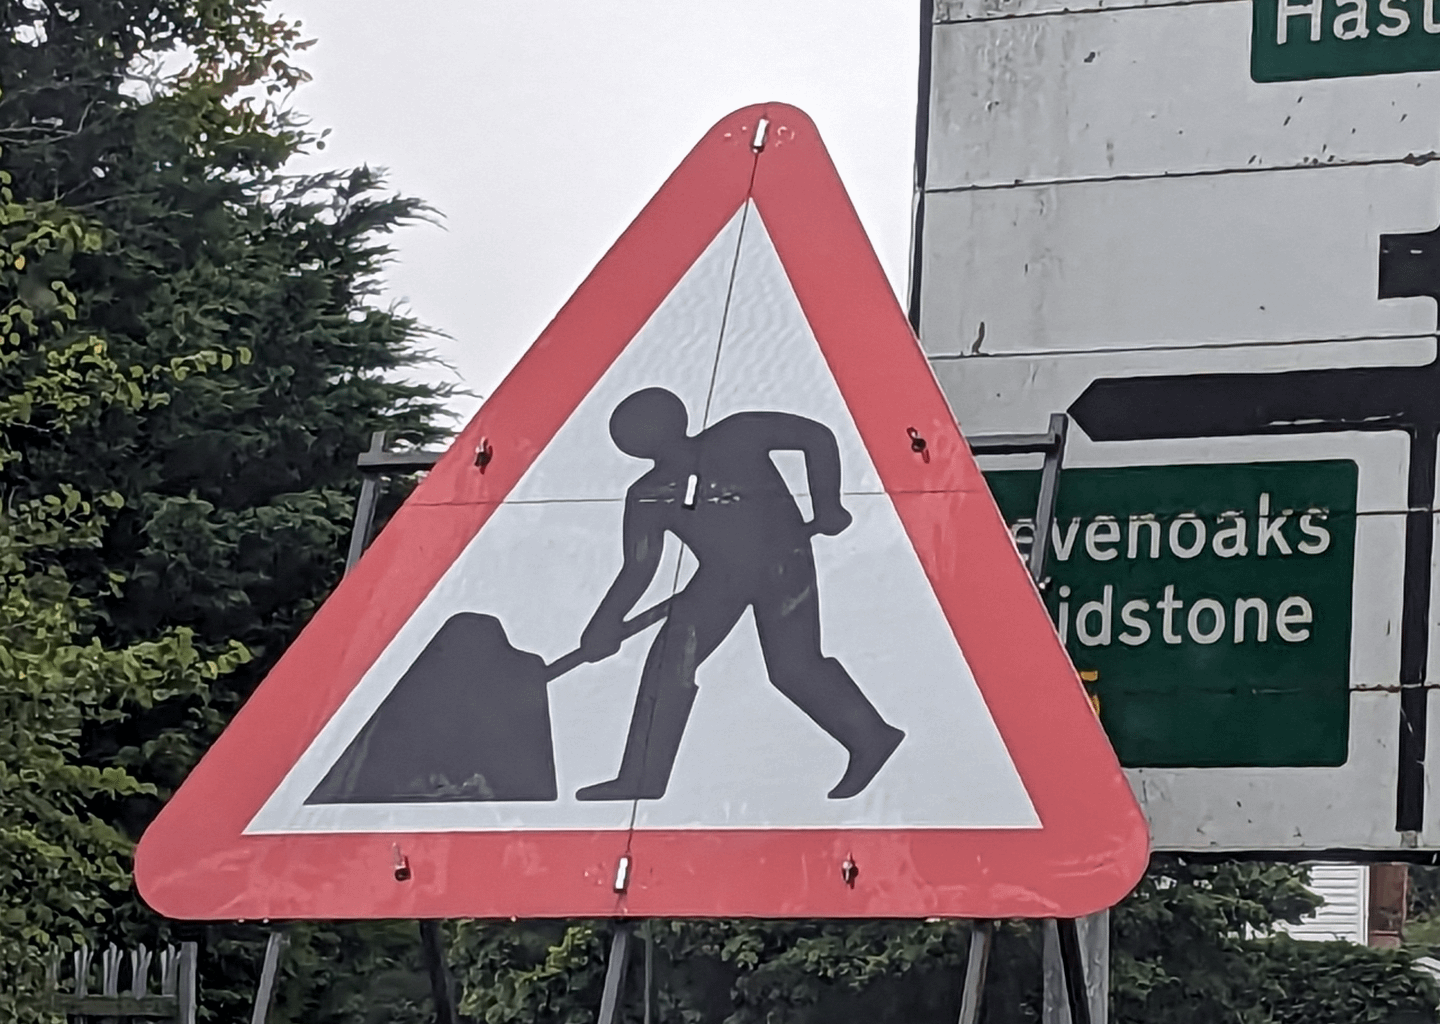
x=720 y=494
x=469 y=720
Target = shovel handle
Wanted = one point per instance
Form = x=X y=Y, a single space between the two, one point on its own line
x=628 y=628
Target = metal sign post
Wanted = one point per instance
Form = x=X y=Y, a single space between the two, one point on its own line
x=275 y=945
x=1076 y=959
x=616 y=967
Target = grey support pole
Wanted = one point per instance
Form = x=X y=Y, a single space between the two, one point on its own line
x=442 y=988
x=1051 y=445
x=365 y=505
x=982 y=935
x=1076 y=953
x=649 y=968
x=1090 y=959
x=186 y=1003
x=269 y=971
x=615 y=969
x=359 y=537
x=1049 y=490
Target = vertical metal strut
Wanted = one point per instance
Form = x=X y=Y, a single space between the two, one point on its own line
x=373 y=463
x=615 y=969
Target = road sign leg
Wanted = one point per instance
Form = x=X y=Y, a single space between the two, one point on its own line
x=982 y=934
x=1072 y=966
x=186 y=988
x=1415 y=632
x=1049 y=488
x=649 y=967
x=432 y=938
x=1096 y=949
x=442 y=989
x=615 y=973
x=365 y=507
x=269 y=971
x=1077 y=970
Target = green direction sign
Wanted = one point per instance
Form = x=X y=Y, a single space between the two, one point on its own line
x=1207 y=607
x=1300 y=39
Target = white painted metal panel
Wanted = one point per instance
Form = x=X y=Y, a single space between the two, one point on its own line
x=1251 y=808
x=1108 y=195
x=1284 y=256
x=1018 y=391
x=1035 y=99
x=1284 y=809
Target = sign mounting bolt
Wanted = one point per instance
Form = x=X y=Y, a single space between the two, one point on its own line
x=484 y=453
x=918 y=444
x=402 y=864
x=849 y=871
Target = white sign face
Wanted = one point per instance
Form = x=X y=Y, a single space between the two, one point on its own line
x=1109 y=197
x=749 y=757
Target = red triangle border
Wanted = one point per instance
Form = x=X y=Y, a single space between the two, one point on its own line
x=195 y=861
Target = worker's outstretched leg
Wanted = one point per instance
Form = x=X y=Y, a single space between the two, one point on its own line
x=656 y=728
x=789 y=630
x=667 y=692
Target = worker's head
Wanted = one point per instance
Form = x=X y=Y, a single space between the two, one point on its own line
x=649 y=422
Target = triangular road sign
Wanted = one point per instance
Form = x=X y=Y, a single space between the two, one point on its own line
x=846 y=662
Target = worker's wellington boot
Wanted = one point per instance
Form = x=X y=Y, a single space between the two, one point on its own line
x=866 y=760
x=833 y=701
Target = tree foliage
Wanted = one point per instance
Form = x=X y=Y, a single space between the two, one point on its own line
x=1191 y=945
x=191 y=360
x=237 y=486
x=62 y=867
x=1184 y=939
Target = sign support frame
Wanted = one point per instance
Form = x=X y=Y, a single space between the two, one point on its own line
x=616 y=966
x=372 y=463
x=982 y=933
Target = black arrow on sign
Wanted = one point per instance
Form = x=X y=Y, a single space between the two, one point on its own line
x=1403 y=398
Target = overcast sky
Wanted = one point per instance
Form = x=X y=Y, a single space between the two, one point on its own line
x=539 y=130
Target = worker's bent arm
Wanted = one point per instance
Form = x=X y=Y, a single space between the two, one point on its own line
x=787 y=432
x=644 y=540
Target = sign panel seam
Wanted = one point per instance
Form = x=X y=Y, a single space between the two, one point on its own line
x=1064 y=11
x=1407 y=159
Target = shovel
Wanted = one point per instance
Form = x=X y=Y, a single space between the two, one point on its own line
x=469 y=721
